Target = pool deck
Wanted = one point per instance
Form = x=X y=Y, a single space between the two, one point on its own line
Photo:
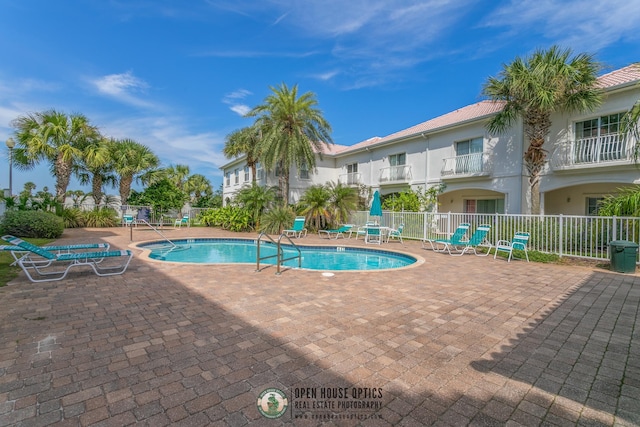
x=453 y=341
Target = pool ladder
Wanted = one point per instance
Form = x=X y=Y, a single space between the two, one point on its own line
x=279 y=252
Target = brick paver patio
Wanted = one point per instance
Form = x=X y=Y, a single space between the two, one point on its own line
x=454 y=341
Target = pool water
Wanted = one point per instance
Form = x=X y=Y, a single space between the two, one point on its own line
x=227 y=251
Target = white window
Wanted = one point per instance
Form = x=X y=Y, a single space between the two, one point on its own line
x=599 y=139
x=601 y=126
x=469 y=155
x=484 y=206
x=246 y=174
x=304 y=171
x=352 y=174
x=593 y=205
x=397 y=163
x=228 y=179
x=237 y=176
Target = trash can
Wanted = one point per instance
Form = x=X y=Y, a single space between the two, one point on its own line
x=623 y=255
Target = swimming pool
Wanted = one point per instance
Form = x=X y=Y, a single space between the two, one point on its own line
x=229 y=251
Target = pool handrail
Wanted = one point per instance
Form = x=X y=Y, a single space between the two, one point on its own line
x=279 y=252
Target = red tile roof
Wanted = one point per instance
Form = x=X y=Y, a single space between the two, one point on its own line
x=623 y=76
x=482 y=109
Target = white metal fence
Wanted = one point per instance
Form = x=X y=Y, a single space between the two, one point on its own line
x=564 y=235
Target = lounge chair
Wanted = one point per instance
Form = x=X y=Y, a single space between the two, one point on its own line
x=478 y=238
x=15 y=250
x=297 y=229
x=456 y=239
x=179 y=221
x=396 y=233
x=40 y=268
x=519 y=242
x=337 y=233
x=373 y=234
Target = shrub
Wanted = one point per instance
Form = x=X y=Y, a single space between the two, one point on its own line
x=277 y=219
x=73 y=218
x=102 y=217
x=231 y=218
x=38 y=224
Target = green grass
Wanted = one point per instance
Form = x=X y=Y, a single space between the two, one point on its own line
x=7 y=272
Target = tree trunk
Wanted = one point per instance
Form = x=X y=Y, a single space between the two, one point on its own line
x=284 y=185
x=96 y=188
x=125 y=188
x=63 y=176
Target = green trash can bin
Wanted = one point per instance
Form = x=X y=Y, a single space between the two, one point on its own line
x=623 y=255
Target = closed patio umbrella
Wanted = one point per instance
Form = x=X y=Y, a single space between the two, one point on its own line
x=376 y=206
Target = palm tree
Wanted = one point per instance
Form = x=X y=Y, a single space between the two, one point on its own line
x=178 y=175
x=56 y=138
x=255 y=199
x=198 y=186
x=293 y=131
x=96 y=166
x=132 y=160
x=342 y=201
x=244 y=142
x=316 y=206
x=536 y=87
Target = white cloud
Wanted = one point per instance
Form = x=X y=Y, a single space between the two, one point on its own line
x=122 y=87
x=173 y=142
x=233 y=100
x=583 y=25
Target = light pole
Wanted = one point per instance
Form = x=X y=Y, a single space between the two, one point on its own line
x=10 y=144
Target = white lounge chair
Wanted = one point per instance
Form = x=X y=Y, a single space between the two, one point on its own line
x=40 y=265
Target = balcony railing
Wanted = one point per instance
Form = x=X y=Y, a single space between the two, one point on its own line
x=466 y=165
x=401 y=173
x=354 y=178
x=593 y=151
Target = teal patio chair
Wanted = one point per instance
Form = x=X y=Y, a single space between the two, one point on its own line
x=478 y=238
x=457 y=239
x=339 y=232
x=297 y=229
x=180 y=221
x=128 y=220
x=396 y=233
x=373 y=234
x=519 y=242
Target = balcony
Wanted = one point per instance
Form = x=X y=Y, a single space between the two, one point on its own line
x=395 y=174
x=593 y=152
x=467 y=165
x=350 y=178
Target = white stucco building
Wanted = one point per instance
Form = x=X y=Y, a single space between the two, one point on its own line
x=587 y=158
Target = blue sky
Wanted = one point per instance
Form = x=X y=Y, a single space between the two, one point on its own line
x=177 y=76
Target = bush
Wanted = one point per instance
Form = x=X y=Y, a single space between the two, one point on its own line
x=277 y=219
x=37 y=224
x=103 y=217
x=72 y=217
x=231 y=218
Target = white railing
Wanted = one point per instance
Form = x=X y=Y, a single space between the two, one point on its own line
x=595 y=150
x=354 y=178
x=563 y=235
x=400 y=173
x=467 y=164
